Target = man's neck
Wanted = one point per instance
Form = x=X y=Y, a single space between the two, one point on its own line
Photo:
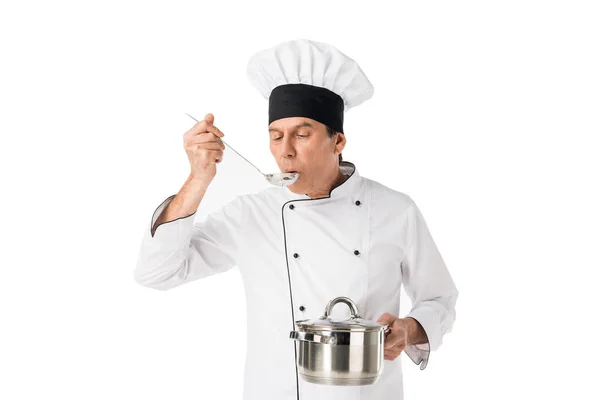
x=341 y=178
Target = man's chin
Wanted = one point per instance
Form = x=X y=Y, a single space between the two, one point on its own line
x=296 y=188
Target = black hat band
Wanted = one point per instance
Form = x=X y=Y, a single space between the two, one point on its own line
x=301 y=100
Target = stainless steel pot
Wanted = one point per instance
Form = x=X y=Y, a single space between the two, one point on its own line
x=340 y=352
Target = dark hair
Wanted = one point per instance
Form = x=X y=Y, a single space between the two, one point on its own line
x=331 y=133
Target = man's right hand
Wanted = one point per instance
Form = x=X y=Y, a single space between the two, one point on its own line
x=204 y=149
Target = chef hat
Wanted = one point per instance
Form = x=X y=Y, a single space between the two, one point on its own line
x=304 y=78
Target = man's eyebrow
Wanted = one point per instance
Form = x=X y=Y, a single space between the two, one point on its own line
x=303 y=124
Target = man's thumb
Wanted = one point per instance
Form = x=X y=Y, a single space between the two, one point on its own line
x=210 y=118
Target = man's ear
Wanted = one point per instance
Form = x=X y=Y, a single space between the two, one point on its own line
x=340 y=142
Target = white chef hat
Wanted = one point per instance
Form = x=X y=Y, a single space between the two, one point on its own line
x=304 y=78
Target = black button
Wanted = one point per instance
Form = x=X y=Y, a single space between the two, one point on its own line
x=291 y=206
x=302 y=308
x=357 y=203
x=296 y=255
x=356 y=252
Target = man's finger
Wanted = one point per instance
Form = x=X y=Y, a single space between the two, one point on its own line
x=387 y=319
x=391 y=340
x=199 y=128
x=214 y=156
x=209 y=118
x=206 y=137
x=391 y=355
x=204 y=145
x=215 y=130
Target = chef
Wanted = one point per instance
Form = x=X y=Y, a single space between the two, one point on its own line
x=331 y=233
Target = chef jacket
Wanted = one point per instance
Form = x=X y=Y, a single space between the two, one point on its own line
x=295 y=254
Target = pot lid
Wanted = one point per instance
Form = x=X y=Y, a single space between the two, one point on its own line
x=354 y=323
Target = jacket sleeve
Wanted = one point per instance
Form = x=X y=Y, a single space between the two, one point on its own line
x=183 y=250
x=428 y=284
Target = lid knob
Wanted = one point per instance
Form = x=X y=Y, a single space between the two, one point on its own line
x=345 y=300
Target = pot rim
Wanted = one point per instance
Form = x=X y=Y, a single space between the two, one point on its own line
x=328 y=328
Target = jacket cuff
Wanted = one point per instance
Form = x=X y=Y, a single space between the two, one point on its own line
x=172 y=234
x=419 y=353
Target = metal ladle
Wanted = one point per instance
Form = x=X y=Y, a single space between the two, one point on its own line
x=277 y=179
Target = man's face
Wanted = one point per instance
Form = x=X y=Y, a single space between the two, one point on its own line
x=302 y=145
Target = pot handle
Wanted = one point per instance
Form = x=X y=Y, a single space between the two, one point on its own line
x=345 y=300
x=312 y=337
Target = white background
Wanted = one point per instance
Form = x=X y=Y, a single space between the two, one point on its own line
x=485 y=113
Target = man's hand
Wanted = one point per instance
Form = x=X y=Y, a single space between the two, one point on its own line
x=204 y=149
x=403 y=331
x=397 y=338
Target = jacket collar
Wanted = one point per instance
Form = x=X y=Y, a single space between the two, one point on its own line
x=347 y=188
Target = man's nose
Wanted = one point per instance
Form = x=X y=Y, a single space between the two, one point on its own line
x=288 y=148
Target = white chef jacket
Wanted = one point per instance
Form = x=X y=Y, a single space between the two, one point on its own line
x=295 y=254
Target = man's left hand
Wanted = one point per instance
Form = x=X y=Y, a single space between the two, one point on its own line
x=397 y=338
